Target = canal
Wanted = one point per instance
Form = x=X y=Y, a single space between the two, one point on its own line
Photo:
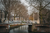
x=21 y=29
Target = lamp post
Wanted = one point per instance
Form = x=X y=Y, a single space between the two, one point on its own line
x=0 y=16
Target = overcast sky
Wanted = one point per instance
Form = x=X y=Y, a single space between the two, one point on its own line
x=26 y=4
x=1 y=6
x=30 y=8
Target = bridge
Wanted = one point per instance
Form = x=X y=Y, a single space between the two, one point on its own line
x=9 y=26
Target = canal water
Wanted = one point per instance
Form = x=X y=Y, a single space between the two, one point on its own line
x=21 y=29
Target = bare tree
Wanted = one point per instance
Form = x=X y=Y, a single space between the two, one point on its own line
x=16 y=7
x=19 y=9
x=39 y=5
x=6 y=3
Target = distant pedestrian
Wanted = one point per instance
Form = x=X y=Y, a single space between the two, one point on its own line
x=3 y=20
x=12 y=20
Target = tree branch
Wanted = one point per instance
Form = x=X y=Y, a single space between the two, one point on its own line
x=45 y=6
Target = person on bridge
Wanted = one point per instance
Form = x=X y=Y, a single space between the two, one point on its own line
x=12 y=20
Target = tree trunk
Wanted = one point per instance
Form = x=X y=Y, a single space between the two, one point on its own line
x=19 y=17
x=40 y=16
x=8 y=16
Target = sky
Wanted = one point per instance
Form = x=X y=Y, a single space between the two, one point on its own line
x=29 y=8
x=22 y=2
x=1 y=6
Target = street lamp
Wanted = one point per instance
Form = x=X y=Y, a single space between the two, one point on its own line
x=0 y=16
x=2 y=8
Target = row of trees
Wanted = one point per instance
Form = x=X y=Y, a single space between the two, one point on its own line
x=14 y=7
x=40 y=5
x=19 y=9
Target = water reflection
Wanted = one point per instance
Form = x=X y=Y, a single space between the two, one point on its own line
x=22 y=29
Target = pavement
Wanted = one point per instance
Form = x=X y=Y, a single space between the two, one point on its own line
x=16 y=22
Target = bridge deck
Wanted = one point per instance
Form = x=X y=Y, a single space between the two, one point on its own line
x=15 y=26
x=8 y=27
